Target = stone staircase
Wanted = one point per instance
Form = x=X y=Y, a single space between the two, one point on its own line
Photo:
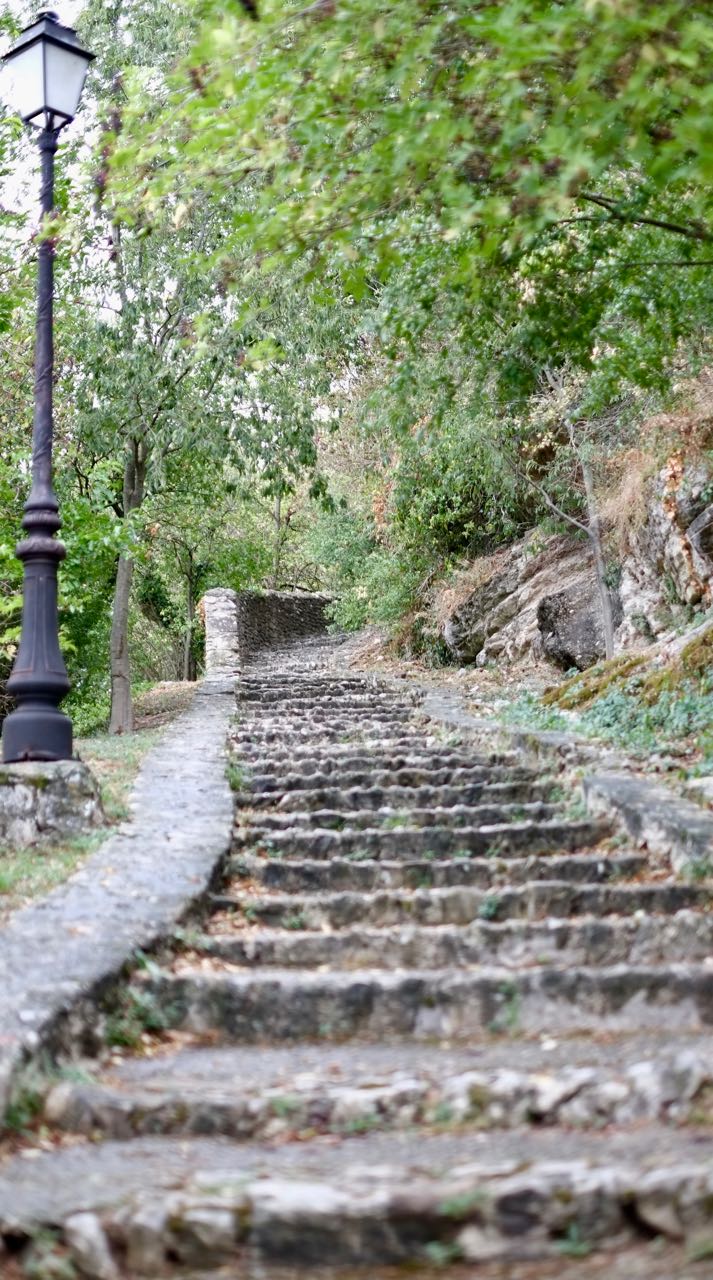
x=434 y=1015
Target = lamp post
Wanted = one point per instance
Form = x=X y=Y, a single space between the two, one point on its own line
x=47 y=68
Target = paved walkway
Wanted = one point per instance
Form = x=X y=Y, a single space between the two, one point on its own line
x=69 y=946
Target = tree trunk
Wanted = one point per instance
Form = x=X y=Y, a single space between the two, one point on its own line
x=595 y=537
x=277 y=552
x=189 y=666
x=122 y=712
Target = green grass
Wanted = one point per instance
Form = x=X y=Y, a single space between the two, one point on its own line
x=528 y=712
x=29 y=873
x=698 y=869
x=114 y=760
x=463 y=1206
x=296 y=921
x=573 y=1244
x=135 y=1014
x=285 y=1107
x=47 y=1259
x=649 y=714
x=236 y=776
x=442 y=1253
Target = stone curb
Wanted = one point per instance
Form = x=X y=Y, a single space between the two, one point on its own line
x=71 y=945
x=654 y=816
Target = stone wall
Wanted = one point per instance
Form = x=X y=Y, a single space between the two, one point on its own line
x=239 y=624
x=219 y=610
x=271 y=618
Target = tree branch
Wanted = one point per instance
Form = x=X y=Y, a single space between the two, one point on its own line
x=562 y=515
x=611 y=206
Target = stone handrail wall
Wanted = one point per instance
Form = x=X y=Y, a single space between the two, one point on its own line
x=240 y=624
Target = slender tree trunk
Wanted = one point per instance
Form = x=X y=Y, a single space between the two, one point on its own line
x=189 y=666
x=277 y=551
x=122 y=712
x=595 y=537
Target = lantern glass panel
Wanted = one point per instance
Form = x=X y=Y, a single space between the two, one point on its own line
x=23 y=81
x=65 y=73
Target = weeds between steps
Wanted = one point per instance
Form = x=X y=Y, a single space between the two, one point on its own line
x=28 y=1093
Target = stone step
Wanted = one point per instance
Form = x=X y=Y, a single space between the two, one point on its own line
x=686 y=936
x=259 y=1093
x=453 y=816
x=165 y=1206
x=313 y=876
x=339 y=718
x=254 y=686
x=312 y=758
x=299 y=747
x=362 y=733
x=369 y=799
x=298 y=702
x=369 y=778
x=496 y=840
x=292 y=1005
x=392 y=719
x=345 y=757
x=460 y=905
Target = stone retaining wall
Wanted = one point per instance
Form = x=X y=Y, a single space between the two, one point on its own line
x=239 y=624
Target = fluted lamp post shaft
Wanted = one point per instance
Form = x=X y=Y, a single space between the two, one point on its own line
x=47 y=67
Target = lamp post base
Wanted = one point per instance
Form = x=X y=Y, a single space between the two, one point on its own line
x=36 y=733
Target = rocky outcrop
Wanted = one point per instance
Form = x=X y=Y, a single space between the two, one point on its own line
x=539 y=597
x=570 y=624
x=667 y=561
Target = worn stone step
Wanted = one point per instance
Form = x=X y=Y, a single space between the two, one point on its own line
x=370 y=778
x=249 y=750
x=344 y=758
x=165 y=1205
x=458 y=905
x=337 y=716
x=340 y=704
x=452 y=816
x=336 y=731
x=274 y=693
x=514 y=944
x=278 y=685
x=356 y=799
x=308 y=876
x=499 y=839
x=294 y=1005
x=393 y=719
x=266 y=1093
x=314 y=758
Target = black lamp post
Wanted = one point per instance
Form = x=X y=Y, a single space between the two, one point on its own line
x=47 y=67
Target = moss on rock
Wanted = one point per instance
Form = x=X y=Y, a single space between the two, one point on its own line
x=583 y=688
